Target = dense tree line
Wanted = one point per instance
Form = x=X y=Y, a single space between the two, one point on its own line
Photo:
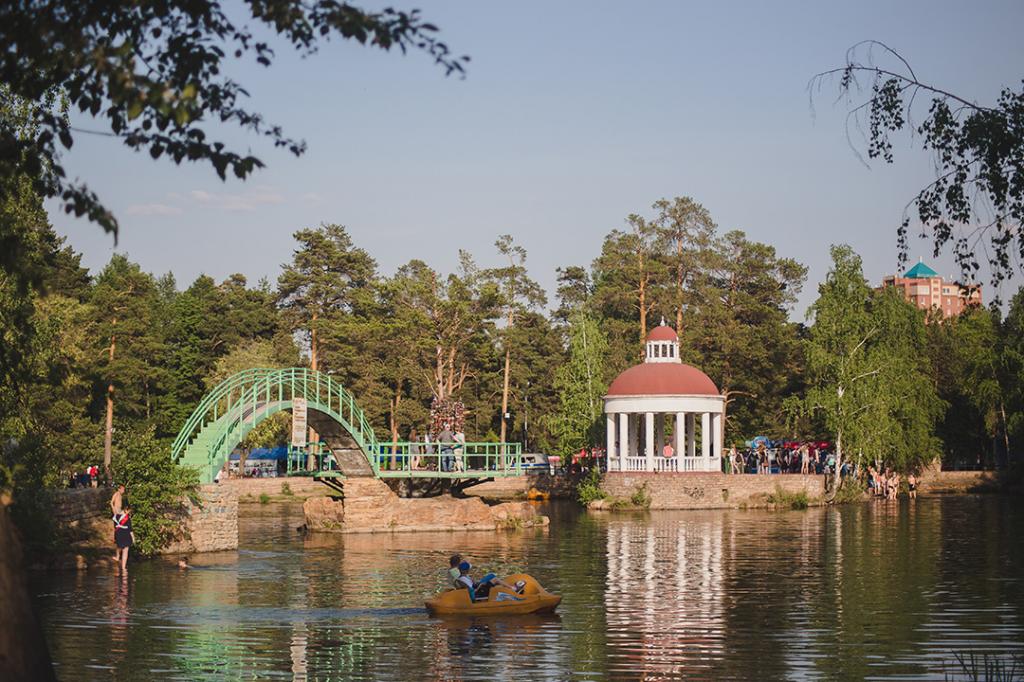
x=136 y=351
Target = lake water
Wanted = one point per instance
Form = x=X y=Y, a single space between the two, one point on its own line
x=876 y=590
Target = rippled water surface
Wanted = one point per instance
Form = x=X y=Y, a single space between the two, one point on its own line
x=880 y=590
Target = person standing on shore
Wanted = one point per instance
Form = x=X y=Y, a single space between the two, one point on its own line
x=124 y=537
x=117 y=500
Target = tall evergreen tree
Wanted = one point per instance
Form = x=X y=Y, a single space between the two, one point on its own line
x=626 y=275
x=740 y=333
x=123 y=302
x=687 y=233
x=519 y=295
x=325 y=278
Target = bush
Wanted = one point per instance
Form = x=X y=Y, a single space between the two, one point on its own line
x=158 y=490
x=286 y=490
x=640 y=497
x=589 y=489
x=264 y=498
x=781 y=498
x=851 y=490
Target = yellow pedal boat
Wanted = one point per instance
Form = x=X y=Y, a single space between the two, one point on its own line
x=500 y=601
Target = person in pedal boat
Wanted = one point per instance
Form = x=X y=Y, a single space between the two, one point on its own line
x=480 y=590
x=453 y=571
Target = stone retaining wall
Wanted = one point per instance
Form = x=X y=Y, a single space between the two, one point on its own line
x=82 y=518
x=711 y=490
x=516 y=487
x=954 y=482
x=213 y=525
x=301 y=487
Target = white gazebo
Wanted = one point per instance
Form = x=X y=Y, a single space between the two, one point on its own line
x=645 y=399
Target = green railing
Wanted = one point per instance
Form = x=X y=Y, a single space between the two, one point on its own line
x=229 y=412
x=447 y=460
x=239 y=403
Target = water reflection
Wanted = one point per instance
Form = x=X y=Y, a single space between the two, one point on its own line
x=664 y=597
x=887 y=590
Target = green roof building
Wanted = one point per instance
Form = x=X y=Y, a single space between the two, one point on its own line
x=924 y=288
x=920 y=271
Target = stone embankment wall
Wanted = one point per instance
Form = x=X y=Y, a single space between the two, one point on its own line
x=711 y=490
x=298 y=488
x=516 y=487
x=370 y=506
x=82 y=518
x=934 y=482
x=212 y=526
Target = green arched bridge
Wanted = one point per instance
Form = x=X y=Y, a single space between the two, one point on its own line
x=239 y=403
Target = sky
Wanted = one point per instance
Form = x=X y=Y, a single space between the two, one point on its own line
x=572 y=115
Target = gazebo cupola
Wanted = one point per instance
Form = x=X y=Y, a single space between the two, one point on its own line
x=662 y=345
x=655 y=411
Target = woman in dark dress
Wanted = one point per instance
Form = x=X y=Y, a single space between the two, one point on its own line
x=123 y=535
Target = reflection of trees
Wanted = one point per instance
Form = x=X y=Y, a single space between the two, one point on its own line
x=878 y=568
x=582 y=571
x=772 y=568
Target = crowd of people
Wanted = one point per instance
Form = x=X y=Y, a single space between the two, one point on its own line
x=885 y=483
x=87 y=478
x=784 y=458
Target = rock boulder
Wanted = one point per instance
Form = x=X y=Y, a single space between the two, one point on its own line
x=369 y=506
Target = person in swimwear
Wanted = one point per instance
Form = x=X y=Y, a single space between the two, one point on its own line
x=116 y=501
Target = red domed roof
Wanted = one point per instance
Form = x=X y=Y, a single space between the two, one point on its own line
x=662 y=378
x=662 y=333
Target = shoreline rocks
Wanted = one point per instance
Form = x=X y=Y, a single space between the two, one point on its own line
x=370 y=506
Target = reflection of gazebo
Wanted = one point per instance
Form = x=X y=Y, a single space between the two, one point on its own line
x=639 y=400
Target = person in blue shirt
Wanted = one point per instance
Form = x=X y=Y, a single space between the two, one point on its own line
x=481 y=589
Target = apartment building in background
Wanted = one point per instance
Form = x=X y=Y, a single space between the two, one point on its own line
x=925 y=288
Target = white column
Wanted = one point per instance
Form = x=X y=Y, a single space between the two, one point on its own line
x=691 y=435
x=716 y=433
x=649 y=439
x=609 y=450
x=705 y=438
x=659 y=434
x=624 y=440
x=634 y=435
x=680 y=436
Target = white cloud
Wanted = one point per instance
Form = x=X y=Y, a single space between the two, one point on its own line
x=152 y=210
x=245 y=201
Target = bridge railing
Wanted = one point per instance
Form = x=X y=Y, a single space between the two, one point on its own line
x=238 y=403
x=446 y=460
x=214 y=405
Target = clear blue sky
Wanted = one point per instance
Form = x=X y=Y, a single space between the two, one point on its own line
x=572 y=116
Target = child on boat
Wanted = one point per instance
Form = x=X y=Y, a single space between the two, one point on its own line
x=479 y=590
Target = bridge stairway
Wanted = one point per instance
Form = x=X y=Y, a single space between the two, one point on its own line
x=352 y=462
